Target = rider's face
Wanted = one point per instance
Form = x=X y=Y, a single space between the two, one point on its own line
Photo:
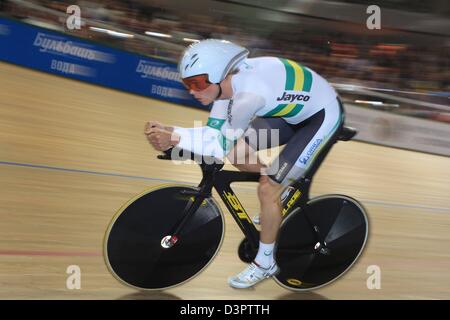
x=206 y=96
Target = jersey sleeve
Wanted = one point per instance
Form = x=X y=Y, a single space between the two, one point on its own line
x=227 y=122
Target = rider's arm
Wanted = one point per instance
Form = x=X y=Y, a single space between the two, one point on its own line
x=226 y=124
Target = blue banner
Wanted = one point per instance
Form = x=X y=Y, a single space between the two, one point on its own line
x=75 y=58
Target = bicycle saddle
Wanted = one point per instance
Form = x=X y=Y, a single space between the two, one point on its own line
x=347 y=133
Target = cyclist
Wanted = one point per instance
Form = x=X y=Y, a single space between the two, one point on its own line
x=250 y=95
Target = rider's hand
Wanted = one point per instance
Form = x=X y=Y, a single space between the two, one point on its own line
x=155 y=124
x=162 y=139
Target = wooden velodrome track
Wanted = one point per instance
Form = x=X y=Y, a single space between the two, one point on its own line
x=71 y=154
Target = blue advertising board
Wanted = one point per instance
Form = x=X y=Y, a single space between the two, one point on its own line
x=75 y=58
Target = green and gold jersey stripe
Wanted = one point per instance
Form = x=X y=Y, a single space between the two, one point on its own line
x=298 y=78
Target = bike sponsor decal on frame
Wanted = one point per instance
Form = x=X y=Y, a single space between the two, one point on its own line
x=237 y=206
x=291 y=202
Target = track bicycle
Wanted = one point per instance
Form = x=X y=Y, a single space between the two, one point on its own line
x=170 y=234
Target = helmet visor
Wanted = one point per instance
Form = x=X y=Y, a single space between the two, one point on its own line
x=197 y=83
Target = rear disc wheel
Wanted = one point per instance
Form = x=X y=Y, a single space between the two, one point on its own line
x=320 y=243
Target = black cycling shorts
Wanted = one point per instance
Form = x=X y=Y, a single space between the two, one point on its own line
x=303 y=141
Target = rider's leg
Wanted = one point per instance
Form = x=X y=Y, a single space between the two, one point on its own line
x=264 y=133
x=269 y=199
x=296 y=160
x=245 y=158
x=270 y=219
x=264 y=265
x=304 y=146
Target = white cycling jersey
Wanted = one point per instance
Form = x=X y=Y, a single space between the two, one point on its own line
x=263 y=87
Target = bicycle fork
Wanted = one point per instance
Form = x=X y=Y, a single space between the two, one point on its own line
x=191 y=207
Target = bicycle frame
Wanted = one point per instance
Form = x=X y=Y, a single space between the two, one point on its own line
x=221 y=180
